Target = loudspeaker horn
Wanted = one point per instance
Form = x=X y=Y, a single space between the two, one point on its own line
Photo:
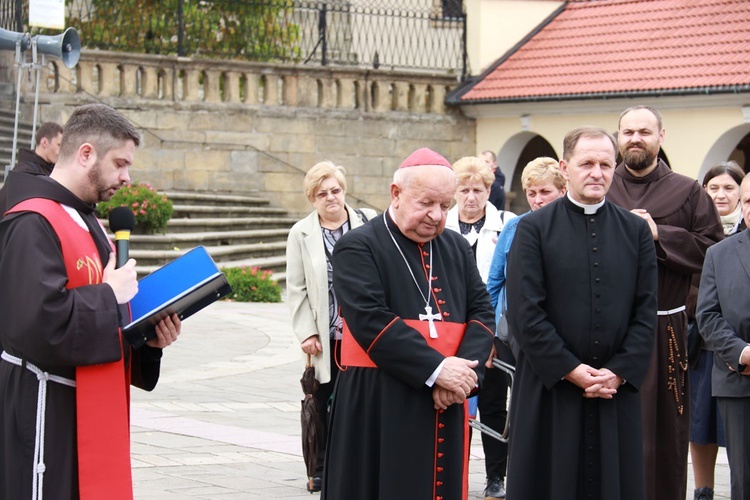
x=8 y=40
x=66 y=46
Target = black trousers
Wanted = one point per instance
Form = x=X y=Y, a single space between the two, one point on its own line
x=492 y=404
x=735 y=413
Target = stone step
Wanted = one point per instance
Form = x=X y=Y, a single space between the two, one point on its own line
x=219 y=253
x=8 y=112
x=207 y=224
x=23 y=139
x=225 y=211
x=214 y=199
x=8 y=120
x=172 y=241
x=275 y=264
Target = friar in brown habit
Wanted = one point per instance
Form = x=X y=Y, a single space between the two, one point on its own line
x=684 y=223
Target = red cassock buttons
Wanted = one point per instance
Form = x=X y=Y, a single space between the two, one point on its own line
x=441 y=425
x=440 y=455
x=446 y=313
x=440 y=469
x=440 y=440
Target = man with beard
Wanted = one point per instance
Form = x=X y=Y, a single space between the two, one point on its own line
x=65 y=368
x=684 y=223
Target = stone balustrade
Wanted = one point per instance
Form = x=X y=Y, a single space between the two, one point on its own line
x=256 y=128
x=177 y=79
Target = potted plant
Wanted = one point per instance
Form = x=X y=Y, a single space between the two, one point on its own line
x=252 y=284
x=152 y=210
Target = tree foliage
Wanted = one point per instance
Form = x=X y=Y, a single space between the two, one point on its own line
x=239 y=29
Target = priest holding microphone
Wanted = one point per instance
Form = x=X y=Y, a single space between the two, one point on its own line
x=66 y=369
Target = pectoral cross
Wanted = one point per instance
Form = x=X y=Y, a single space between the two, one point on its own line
x=431 y=318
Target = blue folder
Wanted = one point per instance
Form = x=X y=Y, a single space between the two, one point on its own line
x=184 y=286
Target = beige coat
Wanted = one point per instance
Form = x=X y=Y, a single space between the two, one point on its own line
x=307 y=284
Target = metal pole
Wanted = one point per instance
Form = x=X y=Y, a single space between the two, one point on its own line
x=464 y=56
x=180 y=28
x=38 y=69
x=19 y=66
x=322 y=34
x=19 y=16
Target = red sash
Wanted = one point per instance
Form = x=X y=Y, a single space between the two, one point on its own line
x=101 y=390
x=449 y=338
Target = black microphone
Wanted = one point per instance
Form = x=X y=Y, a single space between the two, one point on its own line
x=121 y=222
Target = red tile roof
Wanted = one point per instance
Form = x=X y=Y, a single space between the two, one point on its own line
x=608 y=48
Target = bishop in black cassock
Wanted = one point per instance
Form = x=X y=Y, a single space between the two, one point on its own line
x=387 y=439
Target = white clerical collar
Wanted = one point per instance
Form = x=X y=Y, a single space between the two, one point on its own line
x=587 y=209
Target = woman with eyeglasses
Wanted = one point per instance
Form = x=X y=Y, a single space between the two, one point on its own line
x=315 y=318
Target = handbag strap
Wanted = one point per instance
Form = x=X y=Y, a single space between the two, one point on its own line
x=361 y=214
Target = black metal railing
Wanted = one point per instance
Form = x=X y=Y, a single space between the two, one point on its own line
x=11 y=17
x=408 y=35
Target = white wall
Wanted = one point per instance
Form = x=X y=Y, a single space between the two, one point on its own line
x=495 y=26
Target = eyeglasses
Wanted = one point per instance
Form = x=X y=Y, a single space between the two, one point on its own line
x=324 y=194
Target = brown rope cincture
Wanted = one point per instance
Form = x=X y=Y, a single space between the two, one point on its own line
x=676 y=370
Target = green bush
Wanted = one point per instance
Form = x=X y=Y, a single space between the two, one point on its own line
x=152 y=210
x=252 y=284
x=251 y=30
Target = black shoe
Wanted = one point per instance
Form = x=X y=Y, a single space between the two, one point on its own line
x=495 y=488
x=313 y=485
x=704 y=493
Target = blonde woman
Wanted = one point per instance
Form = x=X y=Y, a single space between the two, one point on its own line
x=480 y=223
x=315 y=318
x=542 y=183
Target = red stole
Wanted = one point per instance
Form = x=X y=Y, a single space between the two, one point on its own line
x=449 y=339
x=102 y=392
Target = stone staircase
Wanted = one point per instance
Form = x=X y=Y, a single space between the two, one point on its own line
x=235 y=229
x=7 y=122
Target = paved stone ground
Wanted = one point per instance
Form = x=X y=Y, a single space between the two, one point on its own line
x=223 y=423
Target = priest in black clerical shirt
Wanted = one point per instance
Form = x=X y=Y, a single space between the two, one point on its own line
x=582 y=306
